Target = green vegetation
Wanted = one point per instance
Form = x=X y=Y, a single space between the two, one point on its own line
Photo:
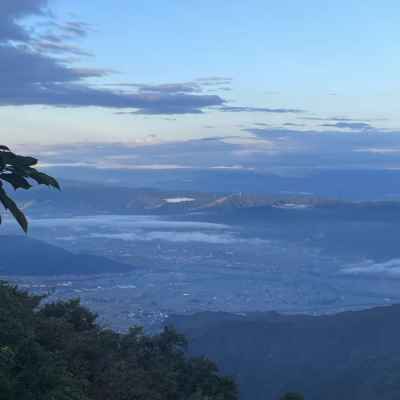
x=58 y=352
x=19 y=172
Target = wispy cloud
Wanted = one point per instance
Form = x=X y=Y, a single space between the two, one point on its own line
x=75 y=28
x=128 y=222
x=165 y=88
x=369 y=268
x=214 y=81
x=357 y=126
x=170 y=236
x=237 y=109
x=60 y=48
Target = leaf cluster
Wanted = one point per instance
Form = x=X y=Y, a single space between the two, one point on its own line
x=20 y=172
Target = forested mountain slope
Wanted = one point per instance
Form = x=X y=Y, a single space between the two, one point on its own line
x=347 y=356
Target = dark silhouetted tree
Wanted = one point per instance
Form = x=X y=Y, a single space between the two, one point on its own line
x=19 y=172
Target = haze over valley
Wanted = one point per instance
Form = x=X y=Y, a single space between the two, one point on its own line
x=180 y=252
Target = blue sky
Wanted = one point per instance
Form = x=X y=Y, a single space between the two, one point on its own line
x=147 y=72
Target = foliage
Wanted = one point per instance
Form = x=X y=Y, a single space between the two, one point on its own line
x=58 y=352
x=19 y=172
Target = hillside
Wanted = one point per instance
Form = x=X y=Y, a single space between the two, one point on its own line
x=21 y=255
x=347 y=356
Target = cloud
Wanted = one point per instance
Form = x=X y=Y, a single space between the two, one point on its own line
x=378 y=150
x=214 y=81
x=146 y=228
x=176 y=103
x=261 y=110
x=369 y=268
x=292 y=124
x=170 y=236
x=36 y=69
x=191 y=154
x=63 y=48
x=11 y=11
x=371 y=148
x=75 y=28
x=341 y=119
x=31 y=75
x=128 y=223
x=196 y=86
x=267 y=149
x=165 y=88
x=349 y=125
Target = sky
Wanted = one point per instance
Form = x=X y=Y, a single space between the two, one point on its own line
x=263 y=76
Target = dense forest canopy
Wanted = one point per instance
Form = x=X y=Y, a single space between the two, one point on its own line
x=59 y=352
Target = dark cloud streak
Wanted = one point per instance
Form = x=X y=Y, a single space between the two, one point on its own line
x=261 y=110
x=349 y=125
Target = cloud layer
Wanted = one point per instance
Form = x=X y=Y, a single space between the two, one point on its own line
x=262 y=149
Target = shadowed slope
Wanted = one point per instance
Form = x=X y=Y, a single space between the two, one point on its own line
x=21 y=255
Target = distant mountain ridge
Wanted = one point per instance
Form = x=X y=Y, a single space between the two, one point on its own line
x=97 y=198
x=341 y=183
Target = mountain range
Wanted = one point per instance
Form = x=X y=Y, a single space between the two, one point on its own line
x=84 y=198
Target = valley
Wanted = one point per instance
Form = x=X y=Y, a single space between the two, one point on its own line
x=232 y=253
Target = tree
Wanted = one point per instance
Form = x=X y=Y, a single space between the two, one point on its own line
x=19 y=172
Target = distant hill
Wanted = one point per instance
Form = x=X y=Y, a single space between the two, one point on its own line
x=21 y=255
x=348 y=356
x=84 y=198
x=92 y=198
